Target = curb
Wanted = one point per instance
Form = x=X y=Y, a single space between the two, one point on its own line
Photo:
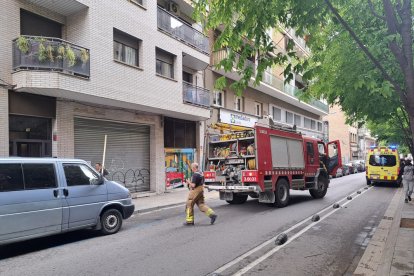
x=147 y=210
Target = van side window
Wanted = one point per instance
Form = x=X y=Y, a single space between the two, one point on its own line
x=79 y=174
x=11 y=178
x=39 y=176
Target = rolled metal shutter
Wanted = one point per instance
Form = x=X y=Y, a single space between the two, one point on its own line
x=127 y=150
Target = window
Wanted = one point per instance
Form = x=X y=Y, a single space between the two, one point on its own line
x=187 y=77
x=319 y=126
x=39 y=176
x=277 y=114
x=313 y=124
x=307 y=123
x=298 y=120
x=79 y=174
x=218 y=98
x=258 y=109
x=310 y=152
x=126 y=48
x=238 y=103
x=164 y=63
x=289 y=117
x=11 y=178
x=383 y=160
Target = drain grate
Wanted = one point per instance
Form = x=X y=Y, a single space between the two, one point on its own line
x=407 y=223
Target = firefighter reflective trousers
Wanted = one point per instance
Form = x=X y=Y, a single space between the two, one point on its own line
x=196 y=196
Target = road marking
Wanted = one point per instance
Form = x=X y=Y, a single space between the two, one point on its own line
x=272 y=240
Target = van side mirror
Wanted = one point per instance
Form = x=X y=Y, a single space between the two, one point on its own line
x=99 y=181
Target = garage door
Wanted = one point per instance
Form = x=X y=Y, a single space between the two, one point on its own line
x=127 y=151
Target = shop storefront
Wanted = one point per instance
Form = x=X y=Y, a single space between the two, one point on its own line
x=30 y=124
x=127 y=150
x=180 y=150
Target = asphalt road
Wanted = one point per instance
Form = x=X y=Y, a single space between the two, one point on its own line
x=241 y=242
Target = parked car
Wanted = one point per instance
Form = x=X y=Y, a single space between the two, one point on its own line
x=345 y=170
x=46 y=196
x=352 y=168
x=360 y=165
x=339 y=173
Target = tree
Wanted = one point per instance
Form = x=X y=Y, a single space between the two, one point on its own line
x=362 y=51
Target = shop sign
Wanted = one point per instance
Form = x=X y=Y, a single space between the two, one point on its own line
x=237 y=118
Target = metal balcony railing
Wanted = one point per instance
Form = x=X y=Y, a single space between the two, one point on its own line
x=50 y=54
x=196 y=95
x=272 y=80
x=182 y=31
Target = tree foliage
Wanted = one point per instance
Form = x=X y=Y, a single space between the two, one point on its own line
x=362 y=54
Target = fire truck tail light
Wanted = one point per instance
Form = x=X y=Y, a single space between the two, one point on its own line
x=209 y=174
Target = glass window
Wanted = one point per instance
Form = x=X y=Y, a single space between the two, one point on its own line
x=382 y=160
x=238 y=103
x=164 y=69
x=277 y=114
x=298 y=120
x=79 y=174
x=319 y=126
x=258 y=109
x=313 y=124
x=126 y=48
x=39 y=176
x=218 y=98
x=307 y=123
x=11 y=178
x=289 y=117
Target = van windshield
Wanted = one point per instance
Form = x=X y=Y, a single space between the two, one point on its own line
x=383 y=160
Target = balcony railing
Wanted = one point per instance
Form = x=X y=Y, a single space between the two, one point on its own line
x=300 y=41
x=272 y=80
x=196 y=95
x=182 y=31
x=50 y=54
x=218 y=56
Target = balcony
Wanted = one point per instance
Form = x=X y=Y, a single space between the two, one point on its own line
x=273 y=81
x=182 y=31
x=299 y=41
x=50 y=54
x=66 y=7
x=196 y=95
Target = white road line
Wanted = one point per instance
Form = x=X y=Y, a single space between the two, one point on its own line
x=274 y=250
x=250 y=252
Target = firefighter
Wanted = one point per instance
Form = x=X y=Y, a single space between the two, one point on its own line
x=196 y=196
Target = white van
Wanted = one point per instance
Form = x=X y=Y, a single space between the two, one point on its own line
x=40 y=197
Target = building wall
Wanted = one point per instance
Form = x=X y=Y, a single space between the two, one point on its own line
x=339 y=130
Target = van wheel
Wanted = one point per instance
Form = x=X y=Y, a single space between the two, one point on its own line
x=111 y=221
x=282 y=194
x=322 y=188
x=238 y=199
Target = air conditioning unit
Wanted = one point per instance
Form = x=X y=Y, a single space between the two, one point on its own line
x=174 y=8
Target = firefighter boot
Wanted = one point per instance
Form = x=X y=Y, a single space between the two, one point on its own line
x=213 y=218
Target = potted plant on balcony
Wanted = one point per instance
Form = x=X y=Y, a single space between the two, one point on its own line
x=84 y=56
x=70 y=56
x=23 y=44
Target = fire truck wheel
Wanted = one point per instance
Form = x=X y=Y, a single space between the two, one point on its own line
x=238 y=199
x=282 y=193
x=320 y=192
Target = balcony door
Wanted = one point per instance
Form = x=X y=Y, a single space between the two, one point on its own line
x=36 y=25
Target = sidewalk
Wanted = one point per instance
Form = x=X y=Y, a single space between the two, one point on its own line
x=146 y=202
x=391 y=249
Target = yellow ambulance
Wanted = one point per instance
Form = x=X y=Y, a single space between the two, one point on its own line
x=382 y=165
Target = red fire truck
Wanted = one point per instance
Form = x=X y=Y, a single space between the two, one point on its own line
x=265 y=162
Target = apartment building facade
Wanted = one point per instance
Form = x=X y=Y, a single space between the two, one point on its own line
x=78 y=71
x=271 y=97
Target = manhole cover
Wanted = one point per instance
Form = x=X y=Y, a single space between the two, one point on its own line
x=407 y=223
